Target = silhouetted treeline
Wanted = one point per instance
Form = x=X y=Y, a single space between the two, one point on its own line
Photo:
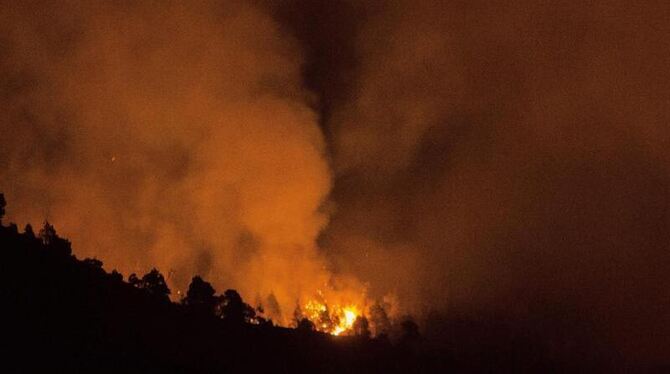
x=67 y=315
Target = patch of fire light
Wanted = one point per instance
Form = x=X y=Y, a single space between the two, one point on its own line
x=333 y=319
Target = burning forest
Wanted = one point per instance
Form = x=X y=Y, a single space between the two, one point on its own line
x=97 y=321
x=488 y=178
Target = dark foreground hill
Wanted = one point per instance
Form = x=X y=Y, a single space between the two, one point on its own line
x=60 y=313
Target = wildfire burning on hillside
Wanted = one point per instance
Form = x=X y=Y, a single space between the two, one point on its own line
x=479 y=158
x=332 y=319
x=346 y=312
x=224 y=171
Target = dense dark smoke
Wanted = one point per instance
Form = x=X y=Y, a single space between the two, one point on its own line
x=501 y=157
x=487 y=156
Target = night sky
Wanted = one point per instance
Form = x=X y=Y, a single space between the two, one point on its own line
x=471 y=156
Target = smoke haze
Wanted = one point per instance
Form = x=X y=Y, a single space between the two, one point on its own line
x=477 y=156
x=499 y=158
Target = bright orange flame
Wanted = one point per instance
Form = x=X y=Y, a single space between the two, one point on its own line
x=331 y=319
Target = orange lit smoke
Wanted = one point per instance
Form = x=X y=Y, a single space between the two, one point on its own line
x=176 y=136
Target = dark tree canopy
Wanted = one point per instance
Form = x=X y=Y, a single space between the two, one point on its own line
x=29 y=232
x=134 y=281
x=154 y=282
x=380 y=320
x=234 y=310
x=361 y=327
x=199 y=292
x=201 y=296
x=410 y=331
x=48 y=233
x=51 y=240
x=305 y=325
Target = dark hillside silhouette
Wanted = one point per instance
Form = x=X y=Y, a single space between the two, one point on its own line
x=63 y=314
x=70 y=315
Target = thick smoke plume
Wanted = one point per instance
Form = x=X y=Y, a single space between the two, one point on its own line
x=489 y=157
x=168 y=134
x=497 y=157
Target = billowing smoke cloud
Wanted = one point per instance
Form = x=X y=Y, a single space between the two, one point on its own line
x=168 y=134
x=487 y=157
x=504 y=158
